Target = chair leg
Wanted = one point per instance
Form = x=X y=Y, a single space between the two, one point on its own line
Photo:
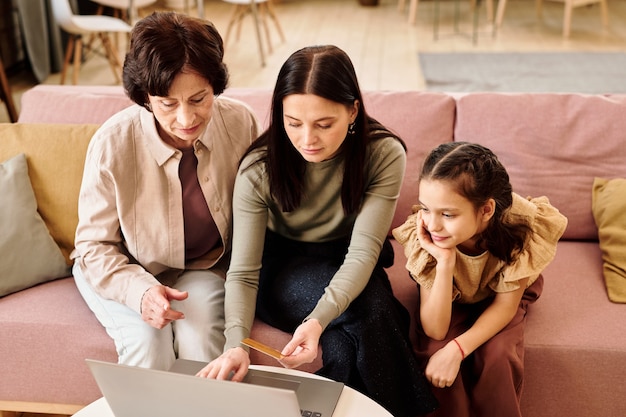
x=457 y=15
x=242 y=15
x=567 y=18
x=69 y=50
x=263 y=20
x=233 y=19
x=436 y=20
x=112 y=56
x=270 y=11
x=489 y=9
x=475 y=27
x=255 y=17
x=6 y=94
x=500 y=13
x=237 y=17
x=78 y=50
x=604 y=10
x=413 y=12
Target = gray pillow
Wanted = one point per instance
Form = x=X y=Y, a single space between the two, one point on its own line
x=28 y=254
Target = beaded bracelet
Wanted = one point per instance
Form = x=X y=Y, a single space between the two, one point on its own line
x=460 y=348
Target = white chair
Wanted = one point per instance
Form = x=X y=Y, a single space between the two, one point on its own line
x=78 y=26
x=413 y=9
x=127 y=10
x=263 y=8
x=569 y=5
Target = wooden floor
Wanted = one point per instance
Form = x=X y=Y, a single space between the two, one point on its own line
x=382 y=45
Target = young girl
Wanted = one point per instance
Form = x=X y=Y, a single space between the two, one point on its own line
x=476 y=249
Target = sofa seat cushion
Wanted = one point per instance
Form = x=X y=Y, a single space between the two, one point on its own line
x=56 y=156
x=575 y=337
x=55 y=332
x=566 y=307
x=551 y=144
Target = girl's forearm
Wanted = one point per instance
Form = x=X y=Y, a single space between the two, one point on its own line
x=495 y=318
x=436 y=305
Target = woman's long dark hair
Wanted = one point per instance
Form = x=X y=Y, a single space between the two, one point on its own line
x=327 y=72
x=478 y=175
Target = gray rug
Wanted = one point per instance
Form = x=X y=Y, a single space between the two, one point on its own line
x=561 y=72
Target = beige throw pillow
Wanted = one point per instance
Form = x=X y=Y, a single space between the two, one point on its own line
x=609 y=212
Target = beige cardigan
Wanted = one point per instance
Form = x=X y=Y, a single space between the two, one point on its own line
x=130 y=225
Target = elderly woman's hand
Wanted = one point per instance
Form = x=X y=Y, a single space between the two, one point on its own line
x=155 y=306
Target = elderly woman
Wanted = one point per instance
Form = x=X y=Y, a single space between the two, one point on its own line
x=154 y=232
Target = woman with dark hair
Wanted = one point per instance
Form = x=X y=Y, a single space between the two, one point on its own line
x=155 y=206
x=313 y=203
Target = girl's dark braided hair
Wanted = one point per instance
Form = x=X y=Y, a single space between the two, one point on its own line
x=478 y=175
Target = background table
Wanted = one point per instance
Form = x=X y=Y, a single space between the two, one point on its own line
x=351 y=403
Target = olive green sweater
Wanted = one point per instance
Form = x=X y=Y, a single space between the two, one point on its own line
x=319 y=218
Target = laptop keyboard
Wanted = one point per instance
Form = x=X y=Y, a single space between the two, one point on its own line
x=307 y=413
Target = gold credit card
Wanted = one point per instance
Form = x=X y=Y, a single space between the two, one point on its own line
x=262 y=348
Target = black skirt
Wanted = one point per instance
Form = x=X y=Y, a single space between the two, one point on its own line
x=368 y=346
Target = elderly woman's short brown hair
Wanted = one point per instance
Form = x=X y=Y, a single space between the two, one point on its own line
x=166 y=43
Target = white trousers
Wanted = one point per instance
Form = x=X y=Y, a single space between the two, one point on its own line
x=199 y=336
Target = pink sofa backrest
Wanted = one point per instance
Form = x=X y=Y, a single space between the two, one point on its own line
x=423 y=120
x=551 y=144
x=74 y=104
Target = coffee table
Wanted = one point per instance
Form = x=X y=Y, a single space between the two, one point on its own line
x=351 y=403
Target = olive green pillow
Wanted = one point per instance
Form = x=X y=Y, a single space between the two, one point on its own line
x=30 y=255
x=609 y=213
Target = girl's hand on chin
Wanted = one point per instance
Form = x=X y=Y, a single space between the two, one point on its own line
x=442 y=255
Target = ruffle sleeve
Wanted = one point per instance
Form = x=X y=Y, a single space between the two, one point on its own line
x=420 y=264
x=548 y=225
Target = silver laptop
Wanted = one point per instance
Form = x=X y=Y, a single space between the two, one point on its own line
x=139 y=392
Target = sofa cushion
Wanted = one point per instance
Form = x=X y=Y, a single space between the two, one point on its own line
x=551 y=144
x=55 y=171
x=29 y=254
x=576 y=336
x=423 y=121
x=46 y=333
x=80 y=104
x=609 y=212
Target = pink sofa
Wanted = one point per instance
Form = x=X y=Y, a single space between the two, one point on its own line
x=552 y=144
